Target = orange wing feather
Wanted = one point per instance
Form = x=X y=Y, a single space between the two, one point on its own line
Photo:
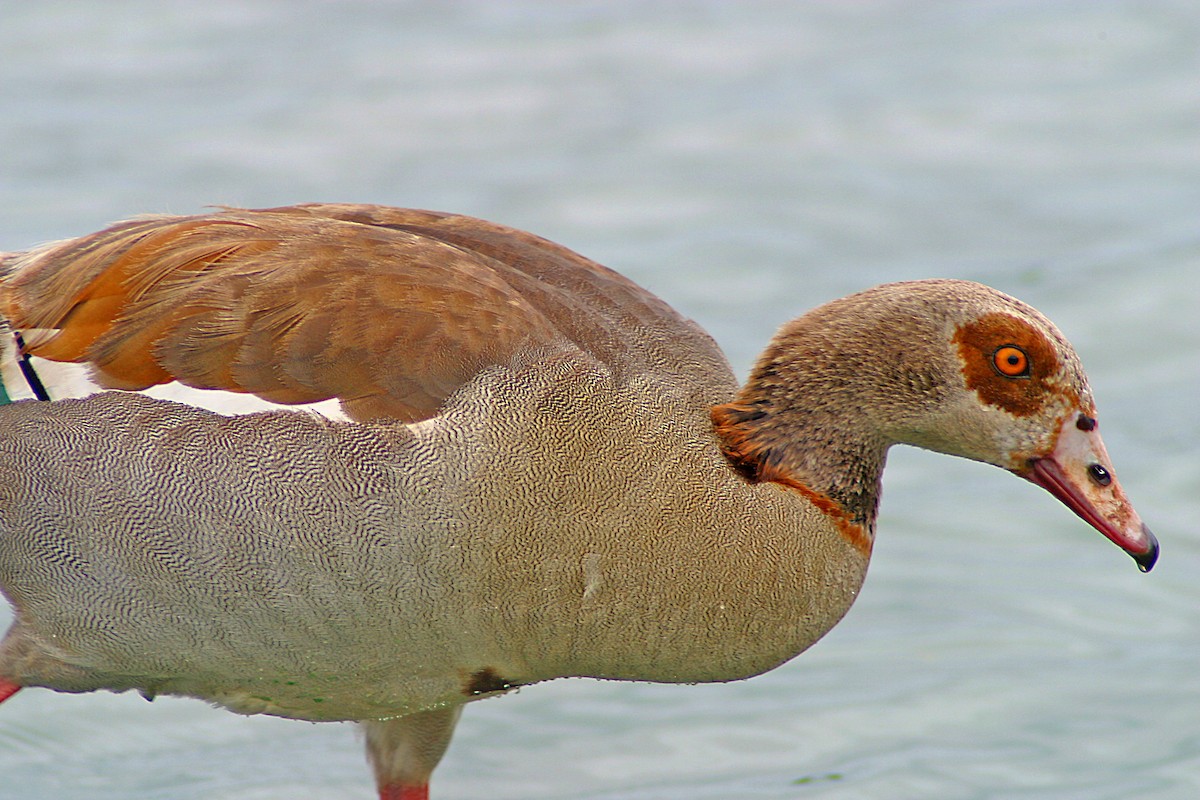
x=389 y=310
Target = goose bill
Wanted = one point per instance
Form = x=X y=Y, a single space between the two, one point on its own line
x=1077 y=472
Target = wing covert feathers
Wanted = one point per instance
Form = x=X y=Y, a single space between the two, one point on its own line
x=389 y=310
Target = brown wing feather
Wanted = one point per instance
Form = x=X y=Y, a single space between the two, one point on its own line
x=389 y=310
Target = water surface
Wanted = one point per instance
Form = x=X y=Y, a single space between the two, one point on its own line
x=746 y=161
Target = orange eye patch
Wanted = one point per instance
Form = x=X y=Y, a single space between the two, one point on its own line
x=1011 y=361
x=1008 y=363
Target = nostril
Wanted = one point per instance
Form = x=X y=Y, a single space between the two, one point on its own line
x=1085 y=423
x=1099 y=475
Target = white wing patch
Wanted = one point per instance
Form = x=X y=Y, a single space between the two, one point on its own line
x=63 y=380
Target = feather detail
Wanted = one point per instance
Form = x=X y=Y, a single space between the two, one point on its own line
x=388 y=310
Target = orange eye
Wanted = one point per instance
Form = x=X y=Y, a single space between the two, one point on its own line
x=1011 y=361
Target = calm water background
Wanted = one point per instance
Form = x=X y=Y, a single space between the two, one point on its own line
x=746 y=161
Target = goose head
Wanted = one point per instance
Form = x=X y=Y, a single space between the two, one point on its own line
x=946 y=365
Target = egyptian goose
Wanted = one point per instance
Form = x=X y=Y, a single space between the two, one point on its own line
x=513 y=465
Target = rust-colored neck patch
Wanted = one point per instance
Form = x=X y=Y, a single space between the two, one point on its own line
x=746 y=452
x=751 y=457
x=1023 y=395
x=851 y=531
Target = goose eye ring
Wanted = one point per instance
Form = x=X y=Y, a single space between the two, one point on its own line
x=1011 y=361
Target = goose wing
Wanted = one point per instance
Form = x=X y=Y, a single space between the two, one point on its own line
x=389 y=310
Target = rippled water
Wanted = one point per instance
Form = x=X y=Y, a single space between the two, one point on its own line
x=746 y=161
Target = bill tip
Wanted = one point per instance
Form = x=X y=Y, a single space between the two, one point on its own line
x=1146 y=560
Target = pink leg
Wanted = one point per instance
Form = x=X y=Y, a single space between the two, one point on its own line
x=397 y=792
x=7 y=689
x=405 y=750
